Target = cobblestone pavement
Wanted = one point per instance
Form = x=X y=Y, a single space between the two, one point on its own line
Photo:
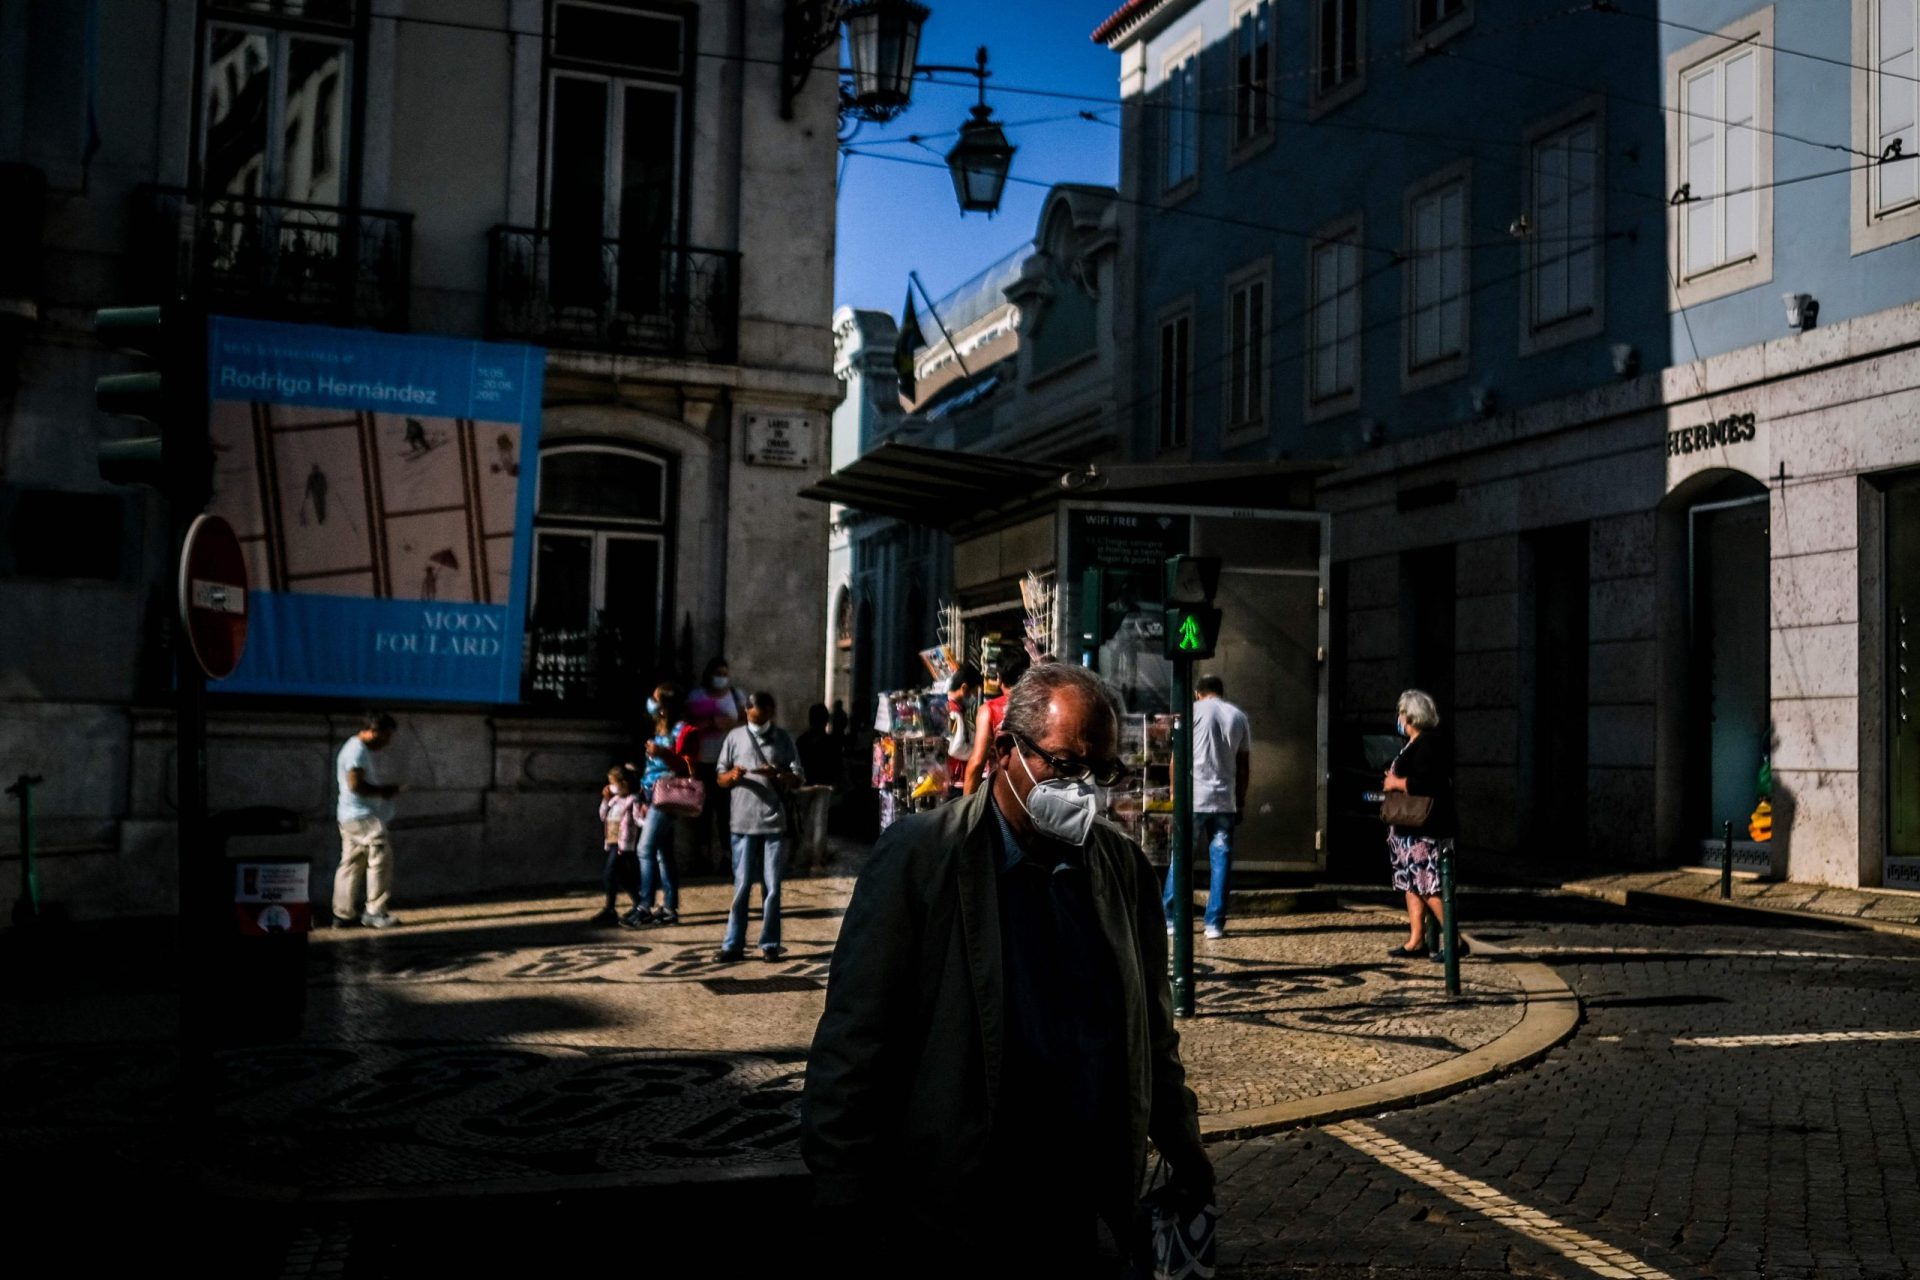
x=1734 y=1105
x=511 y=1044
x=1893 y=907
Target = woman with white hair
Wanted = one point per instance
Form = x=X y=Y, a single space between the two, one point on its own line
x=1424 y=767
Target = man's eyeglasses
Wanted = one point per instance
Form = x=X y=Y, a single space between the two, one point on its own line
x=1104 y=773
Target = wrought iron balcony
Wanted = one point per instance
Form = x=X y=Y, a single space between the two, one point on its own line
x=278 y=259
x=610 y=295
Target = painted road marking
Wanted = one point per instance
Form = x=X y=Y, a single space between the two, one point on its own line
x=1737 y=953
x=1596 y=1256
x=1791 y=1038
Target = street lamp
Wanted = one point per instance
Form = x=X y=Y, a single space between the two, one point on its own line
x=883 y=39
x=980 y=160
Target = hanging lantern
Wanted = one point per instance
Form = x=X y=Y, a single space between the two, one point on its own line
x=979 y=162
x=883 y=41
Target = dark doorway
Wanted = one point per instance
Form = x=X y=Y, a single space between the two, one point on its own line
x=1903 y=683
x=1729 y=725
x=1427 y=615
x=1553 y=764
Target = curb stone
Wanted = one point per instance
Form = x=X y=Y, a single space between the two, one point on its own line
x=1552 y=1014
x=1656 y=899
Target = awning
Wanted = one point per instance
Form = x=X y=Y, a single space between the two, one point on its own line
x=938 y=488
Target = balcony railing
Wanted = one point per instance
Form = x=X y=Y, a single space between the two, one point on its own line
x=597 y=666
x=278 y=259
x=607 y=295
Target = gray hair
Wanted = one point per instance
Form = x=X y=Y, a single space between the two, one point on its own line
x=1418 y=709
x=1027 y=702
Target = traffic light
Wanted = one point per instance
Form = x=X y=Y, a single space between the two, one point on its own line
x=1193 y=624
x=171 y=395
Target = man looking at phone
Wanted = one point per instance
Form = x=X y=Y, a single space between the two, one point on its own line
x=757 y=766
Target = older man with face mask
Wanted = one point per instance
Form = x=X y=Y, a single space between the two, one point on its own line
x=998 y=1042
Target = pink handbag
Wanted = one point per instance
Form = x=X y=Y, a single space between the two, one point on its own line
x=681 y=797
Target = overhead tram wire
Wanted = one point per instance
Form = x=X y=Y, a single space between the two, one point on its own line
x=1734 y=42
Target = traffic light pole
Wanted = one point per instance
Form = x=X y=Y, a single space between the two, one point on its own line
x=1182 y=861
x=198 y=900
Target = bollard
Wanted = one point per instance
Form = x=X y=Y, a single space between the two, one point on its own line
x=1450 y=932
x=1726 y=865
x=26 y=908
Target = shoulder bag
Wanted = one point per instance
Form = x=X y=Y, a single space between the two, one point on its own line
x=680 y=797
x=1407 y=812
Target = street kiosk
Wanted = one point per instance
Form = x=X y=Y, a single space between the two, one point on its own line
x=1089 y=545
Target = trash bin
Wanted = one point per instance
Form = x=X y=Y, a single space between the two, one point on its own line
x=264 y=966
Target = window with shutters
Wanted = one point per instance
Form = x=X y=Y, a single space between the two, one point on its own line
x=1247 y=365
x=1886 y=122
x=1180 y=114
x=1339 y=67
x=1563 y=244
x=1333 y=320
x=1720 y=161
x=1435 y=317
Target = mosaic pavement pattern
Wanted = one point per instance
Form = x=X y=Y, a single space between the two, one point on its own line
x=513 y=1042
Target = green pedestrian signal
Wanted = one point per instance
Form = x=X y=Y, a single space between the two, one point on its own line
x=1193 y=630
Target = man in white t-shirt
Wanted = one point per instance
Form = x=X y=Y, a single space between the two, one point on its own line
x=1221 y=763
x=365 y=806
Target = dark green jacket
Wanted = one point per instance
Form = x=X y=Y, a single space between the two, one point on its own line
x=904 y=1074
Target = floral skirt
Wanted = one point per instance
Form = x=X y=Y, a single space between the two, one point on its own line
x=1416 y=862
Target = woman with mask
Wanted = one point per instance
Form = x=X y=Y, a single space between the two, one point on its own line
x=1424 y=767
x=664 y=756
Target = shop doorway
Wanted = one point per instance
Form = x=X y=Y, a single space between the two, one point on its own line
x=1729 y=716
x=1902 y=516
x=1553 y=785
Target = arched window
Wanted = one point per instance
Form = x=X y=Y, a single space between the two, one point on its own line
x=600 y=555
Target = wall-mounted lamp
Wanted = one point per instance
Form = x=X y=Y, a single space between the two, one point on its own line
x=1626 y=360
x=1803 y=309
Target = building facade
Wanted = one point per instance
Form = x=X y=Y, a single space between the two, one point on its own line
x=612 y=181
x=1609 y=319
x=1018 y=362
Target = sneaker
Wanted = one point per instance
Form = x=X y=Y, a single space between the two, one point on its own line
x=381 y=920
x=729 y=957
x=664 y=916
x=1215 y=931
x=345 y=922
x=771 y=954
x=636 y=918
x=606 y=916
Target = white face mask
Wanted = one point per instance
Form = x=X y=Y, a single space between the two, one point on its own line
x=1058 y=808
x=720 y=682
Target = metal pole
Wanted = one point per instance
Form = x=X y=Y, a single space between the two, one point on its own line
x=198 y=877
x=28 y=907
x=1450 y=930
x=1182 y=863
x=1726 y=864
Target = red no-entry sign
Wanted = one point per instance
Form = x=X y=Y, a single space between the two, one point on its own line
x=213 y=596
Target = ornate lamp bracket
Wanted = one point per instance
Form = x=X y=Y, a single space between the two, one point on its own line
x=810 y=28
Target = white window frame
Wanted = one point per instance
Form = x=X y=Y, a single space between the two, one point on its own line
x=1537 y=334
x=1250 y=377
x=1423 y=40
x=1181 y=312
x=1258 y=136
x=1869 y=227
x=1180 y=126
x=1347 y=232
x=1321 y=100
x=1452 y=364
x=1750 y=36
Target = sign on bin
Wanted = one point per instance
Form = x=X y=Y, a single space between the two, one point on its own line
x=271 y=897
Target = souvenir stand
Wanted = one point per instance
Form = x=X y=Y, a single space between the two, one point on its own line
x=1081 y=551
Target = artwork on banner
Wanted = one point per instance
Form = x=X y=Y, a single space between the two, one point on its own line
x=376 y=484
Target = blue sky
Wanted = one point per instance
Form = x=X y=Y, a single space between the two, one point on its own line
x=897 y=217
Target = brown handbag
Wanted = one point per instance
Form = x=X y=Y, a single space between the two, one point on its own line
x=1399 y=809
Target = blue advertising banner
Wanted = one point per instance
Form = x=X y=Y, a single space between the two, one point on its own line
x=382 y=488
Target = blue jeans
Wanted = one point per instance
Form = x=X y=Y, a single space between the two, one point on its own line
x=1215 y=830
x=656 y=860
x=751 y=854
